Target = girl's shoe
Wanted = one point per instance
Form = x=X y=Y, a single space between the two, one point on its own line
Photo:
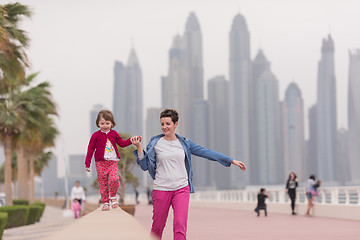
x=105 y=207
x=114 y=204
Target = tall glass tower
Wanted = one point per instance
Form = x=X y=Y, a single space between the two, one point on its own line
x=326 y=112
x=354 y=115
x=128 y=96
x=293 y=129
x=240 y=73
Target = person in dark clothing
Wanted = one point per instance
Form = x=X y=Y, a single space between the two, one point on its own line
x=149 y=195
x=261 y=205
x=291 y=186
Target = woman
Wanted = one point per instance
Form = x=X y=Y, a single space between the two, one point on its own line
x=168 y=160
x=311 y=192
x=291 y=186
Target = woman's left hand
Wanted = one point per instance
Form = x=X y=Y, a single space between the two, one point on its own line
x=240 y=164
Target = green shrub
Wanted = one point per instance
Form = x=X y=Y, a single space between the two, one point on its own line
x=17 y=215
x=34 y=214
x=3 y=220
x=24 y=202
x=42 y=205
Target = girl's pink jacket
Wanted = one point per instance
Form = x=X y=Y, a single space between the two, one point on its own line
x=98 y=142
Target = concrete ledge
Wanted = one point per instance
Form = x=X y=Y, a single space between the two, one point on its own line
x=320 y=210
x=113 y=224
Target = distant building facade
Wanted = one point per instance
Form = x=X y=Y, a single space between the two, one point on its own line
x=268 y=112
x=218 y=92
x=326 y=113
x=354 y=115
x=240 y=74
x=128 y=96
x=311 y=144
x=293 y=130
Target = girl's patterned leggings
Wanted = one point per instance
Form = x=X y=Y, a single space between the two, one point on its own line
x=107 y=172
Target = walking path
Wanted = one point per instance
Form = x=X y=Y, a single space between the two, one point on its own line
x=229 y=224
x=52 y=220
x=205 y=222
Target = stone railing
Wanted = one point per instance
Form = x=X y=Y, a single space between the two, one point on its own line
x=335 y=202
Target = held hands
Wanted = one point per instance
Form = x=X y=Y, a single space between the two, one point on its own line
x=136 y=140
x=240 y=164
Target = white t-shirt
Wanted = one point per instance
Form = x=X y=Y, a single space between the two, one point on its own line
x=77 y=193
x=171 y=173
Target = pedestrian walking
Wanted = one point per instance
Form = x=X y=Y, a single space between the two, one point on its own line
x=311 y=192
x=78 y=195
x=291 y=185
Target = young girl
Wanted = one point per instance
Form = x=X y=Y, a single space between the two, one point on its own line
x=103 y=142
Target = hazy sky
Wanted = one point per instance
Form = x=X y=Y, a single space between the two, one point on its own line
x=74 y=44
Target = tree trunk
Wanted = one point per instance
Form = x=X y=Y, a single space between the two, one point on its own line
x=122 y=189
x=31 y=178
x=22 y=175
x=8 y=170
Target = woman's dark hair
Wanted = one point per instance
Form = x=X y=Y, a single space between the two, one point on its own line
x=171 y=113
x=312 y=177
x=292 y=173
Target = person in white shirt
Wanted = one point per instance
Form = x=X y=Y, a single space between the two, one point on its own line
x=78 y=193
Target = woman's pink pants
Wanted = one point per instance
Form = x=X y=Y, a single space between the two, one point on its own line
x=179 y=200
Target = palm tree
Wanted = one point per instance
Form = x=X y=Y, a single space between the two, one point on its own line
x=39 y=132
x=22 y=111
x=13 y=42
x=13 y=61
x=40 y=140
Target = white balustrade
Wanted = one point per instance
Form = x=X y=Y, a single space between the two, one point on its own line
x=327 y=195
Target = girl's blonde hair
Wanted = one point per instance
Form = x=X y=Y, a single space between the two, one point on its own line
x=107 y=116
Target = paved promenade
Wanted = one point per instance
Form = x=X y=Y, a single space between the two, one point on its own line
x=205 y=223
x=228 y=224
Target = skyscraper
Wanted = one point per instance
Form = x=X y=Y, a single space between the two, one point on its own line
x=240 y=74
x=183 y=86
x=326 y=112
x=270 y=167
x=311 y=145
x=260 y=65
x=203 y=177
x=293 y=130
x=193 y=44
x=128 y=101
x=342 y=164
x=128 y=96
x=152 y=124
x=354 y=115
x=50 y=179
x=218 y=92
x=152 y=128
x=175 y=85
